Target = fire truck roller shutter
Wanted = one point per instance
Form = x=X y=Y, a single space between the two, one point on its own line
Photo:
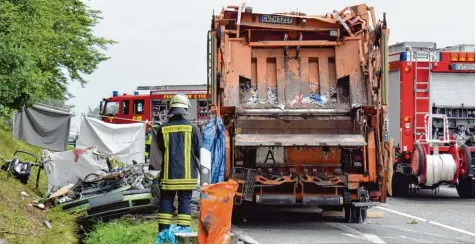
x=452 y=89
x=394 y=111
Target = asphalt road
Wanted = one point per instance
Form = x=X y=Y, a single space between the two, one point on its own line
x=425 y=217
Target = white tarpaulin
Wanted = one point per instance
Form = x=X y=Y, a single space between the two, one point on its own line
x=126 y=142
x=64 y=168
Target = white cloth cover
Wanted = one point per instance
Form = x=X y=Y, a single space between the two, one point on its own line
x=126 y=142
x=439 y=168
x=64 y=168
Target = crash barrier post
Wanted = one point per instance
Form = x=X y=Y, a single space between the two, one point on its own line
x=216 y=206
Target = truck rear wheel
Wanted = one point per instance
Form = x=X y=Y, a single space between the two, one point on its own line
x=465 y=187
x=400 y=185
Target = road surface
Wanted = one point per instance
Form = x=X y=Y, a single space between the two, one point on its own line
x=422 y=218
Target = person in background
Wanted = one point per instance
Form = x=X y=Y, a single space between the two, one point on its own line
x=180 y=141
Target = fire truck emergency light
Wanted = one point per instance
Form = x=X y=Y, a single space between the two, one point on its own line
x=454 y=56
x=470 y=56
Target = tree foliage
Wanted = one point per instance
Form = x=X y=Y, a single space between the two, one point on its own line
x=45 y=44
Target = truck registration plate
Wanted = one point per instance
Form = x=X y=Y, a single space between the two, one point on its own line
x=266 y=156
x=276 y=19
x=466 y=67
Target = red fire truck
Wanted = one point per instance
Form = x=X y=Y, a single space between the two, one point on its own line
x=432 y=98
x=153 y=106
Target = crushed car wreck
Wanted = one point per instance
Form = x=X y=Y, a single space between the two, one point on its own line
x=93 y=182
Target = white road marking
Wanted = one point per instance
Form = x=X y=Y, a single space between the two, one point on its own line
x=428 y=221
x=448 y=189
x=243 y=236
x=413 y=239
x=357 y=234
x=407 y=230
x=374 y=238
x=354 y=236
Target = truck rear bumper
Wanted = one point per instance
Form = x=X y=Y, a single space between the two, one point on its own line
x=327 y=200
x=307 y=200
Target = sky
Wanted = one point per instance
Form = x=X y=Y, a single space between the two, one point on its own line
x=164 y=42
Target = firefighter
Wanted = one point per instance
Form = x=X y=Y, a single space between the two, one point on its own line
x=148 y=143
x=179 y=141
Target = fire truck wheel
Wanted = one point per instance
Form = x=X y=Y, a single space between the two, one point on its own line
x=400 y=185
x=465 y=187
x=464 y=160
x=418 y=159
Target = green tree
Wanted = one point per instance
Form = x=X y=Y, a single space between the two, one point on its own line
x=45 y=44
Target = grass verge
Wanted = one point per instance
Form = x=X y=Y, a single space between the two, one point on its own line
x=19 y=222
x=127 y=230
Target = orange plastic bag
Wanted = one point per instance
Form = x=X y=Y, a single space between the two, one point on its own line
x=216 y=207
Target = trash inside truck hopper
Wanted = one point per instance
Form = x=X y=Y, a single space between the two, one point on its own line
x=304 y=102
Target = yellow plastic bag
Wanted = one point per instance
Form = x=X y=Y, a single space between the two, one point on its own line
x=216 y=207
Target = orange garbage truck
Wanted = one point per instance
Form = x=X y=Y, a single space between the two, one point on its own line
x=304 y=102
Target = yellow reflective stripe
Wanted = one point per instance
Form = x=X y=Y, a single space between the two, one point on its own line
x=164 y=216
x=166 y=155
x=179 y=187
x=148 y=141
x=165 y=222
x=180 y=182
x=187 y=154
x=184 y=223
x=176 y=129
x=184 y=217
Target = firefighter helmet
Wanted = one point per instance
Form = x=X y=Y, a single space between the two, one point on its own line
x=180 y=101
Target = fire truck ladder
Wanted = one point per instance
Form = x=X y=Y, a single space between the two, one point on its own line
x=421 y=89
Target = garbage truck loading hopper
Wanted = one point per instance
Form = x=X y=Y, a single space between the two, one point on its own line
x=303 y=100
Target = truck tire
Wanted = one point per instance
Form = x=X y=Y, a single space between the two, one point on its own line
x=400 y=185
x=418 y=159
x=465 y=160
x=465 y=187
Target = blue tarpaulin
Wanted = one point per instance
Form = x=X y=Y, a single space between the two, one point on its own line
x=213 y=135
x=168 y=235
